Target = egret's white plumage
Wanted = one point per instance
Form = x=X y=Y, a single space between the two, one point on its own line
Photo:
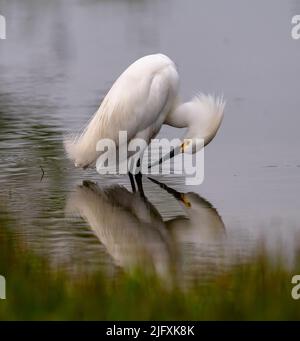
x=141 y=100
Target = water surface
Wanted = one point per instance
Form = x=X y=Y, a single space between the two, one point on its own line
x=58 y=62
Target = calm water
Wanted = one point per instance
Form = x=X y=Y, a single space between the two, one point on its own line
x=59 y=60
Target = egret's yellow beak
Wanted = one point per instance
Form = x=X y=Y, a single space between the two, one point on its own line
x=184 y=146
x=185 y=201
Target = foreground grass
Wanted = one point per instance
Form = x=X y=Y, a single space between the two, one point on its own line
x=256 y=291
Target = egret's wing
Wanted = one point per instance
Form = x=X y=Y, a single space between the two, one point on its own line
x=133 y=104
x=138 y=99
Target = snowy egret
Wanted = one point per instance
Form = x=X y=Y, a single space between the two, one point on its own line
x=141 y=100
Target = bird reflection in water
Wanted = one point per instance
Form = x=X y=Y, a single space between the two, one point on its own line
x=136 y=236
x=198 y=236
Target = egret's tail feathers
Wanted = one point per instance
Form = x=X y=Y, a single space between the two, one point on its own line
x=81 y=149
x=70 y=143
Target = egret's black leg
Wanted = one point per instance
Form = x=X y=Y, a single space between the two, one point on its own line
x=131 y=178
x=138 y=178
x=139 y=182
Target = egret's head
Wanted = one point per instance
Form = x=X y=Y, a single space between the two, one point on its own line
x=204 y=116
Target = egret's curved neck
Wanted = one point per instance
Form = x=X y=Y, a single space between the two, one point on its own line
x=178 y=118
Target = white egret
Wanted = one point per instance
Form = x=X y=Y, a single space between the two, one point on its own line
x=140 y=101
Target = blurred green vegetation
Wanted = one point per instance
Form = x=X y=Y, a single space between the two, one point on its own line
x=260 y=290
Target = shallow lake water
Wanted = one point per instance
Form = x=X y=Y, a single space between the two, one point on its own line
x=57 y=63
